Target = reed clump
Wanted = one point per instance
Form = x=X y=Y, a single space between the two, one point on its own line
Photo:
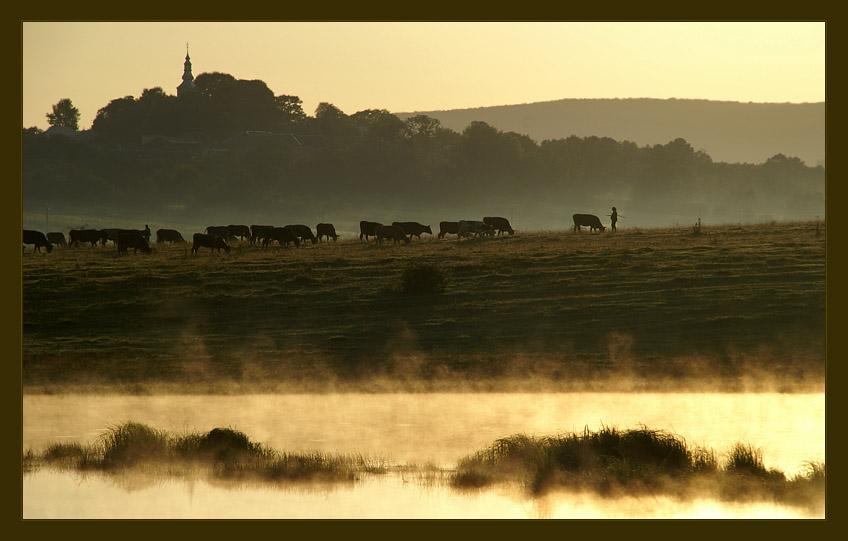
x=224 y=453
x=611 y=461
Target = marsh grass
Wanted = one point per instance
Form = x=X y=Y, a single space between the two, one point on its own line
x=608 y=462
x=222 y=453
x=637 y=461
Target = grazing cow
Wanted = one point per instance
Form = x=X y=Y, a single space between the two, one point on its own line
x=302 y=232
x=368 y=229
x=213 y=242
x=240 y=231
x=448 y=227
x=113 y=233
x=589 y=220
x=86 y=235
x=168 y=235
x=259 y=232
x=474 y=228
x=283 y=235
x=132 y=240
x=37 y=239
x=57 y=238
x=500 y=224
x=220 y=230
x=326 y=230
x=413 y=228
x=393 y=232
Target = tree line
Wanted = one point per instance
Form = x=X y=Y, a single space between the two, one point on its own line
x=372 y=156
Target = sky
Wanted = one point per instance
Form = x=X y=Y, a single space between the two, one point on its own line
x=425 y=66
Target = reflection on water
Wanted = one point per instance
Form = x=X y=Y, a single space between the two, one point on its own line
x=419 y=428
x=51 y=495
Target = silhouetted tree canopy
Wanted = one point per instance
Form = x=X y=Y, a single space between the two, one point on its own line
x=372 y=155
x=64 y=115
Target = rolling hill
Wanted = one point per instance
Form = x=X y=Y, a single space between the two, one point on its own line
x=730 y=132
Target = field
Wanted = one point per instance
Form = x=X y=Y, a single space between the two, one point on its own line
x=731 y=307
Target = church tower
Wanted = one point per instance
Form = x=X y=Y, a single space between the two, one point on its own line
x=188 y=79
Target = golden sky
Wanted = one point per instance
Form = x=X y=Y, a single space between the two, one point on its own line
x=421 y=66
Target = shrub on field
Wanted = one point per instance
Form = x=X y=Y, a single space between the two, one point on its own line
x=422 y=279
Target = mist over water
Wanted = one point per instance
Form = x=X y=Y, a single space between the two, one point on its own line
x=437 y=428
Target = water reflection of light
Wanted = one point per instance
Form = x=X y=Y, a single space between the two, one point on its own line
x=52 y=495
x=790 y=428
x=411 y=428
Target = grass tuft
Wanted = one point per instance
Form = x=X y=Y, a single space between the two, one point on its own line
x=422 y=279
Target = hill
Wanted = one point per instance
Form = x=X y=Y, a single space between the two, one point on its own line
x=730 y=132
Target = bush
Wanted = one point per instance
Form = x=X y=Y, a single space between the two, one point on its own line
x=422 y=279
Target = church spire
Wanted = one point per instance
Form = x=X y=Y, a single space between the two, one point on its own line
x=188 y=79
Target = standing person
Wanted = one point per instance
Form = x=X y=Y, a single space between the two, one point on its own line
x=614 y=218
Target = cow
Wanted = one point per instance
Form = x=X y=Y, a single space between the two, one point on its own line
x=57 y=238
x=413 y=228
x=368 y=229
x=220 y=230
x=302 y=232
x=240 y=231
x=259 y=232
x=474 y=228
x=86 y=235
x=37 y=239
x=168 y=235
x=500 y=224
x=589 y=220
x=283 y=235
x=393 y=232
x=132 y=240
x=213 y=242
x=448 y=228
x=326 y=230
x=113 y=233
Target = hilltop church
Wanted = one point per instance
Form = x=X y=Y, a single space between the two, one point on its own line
x=188 y=79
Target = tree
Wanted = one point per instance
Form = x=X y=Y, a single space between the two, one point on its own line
x=291 y=108
x=64 y=115
x=422 y=126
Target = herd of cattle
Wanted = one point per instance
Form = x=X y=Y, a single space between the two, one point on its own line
x=216 y=237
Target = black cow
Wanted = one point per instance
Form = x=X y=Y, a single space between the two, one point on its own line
x=86 y=235
x=57 y=238
x=500 y=224
x=37 y=239
x=326 y=230
x=368 y=229
x=589 y=220
x=240 y=231
x=168 y=235
x=448 y=228
x=220 y=230
x=393 y=232
x=132 y=240
x=112 y=233
x=283 y=235
x=214 y=242
x=303 y=232
x=413 y=228
x=259 y=232
x=474 y=228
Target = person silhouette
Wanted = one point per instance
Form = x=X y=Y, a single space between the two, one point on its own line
x=613 y=218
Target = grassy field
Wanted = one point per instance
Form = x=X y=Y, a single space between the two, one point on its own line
x=735 y=307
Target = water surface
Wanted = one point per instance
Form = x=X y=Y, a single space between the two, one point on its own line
x=406 y=428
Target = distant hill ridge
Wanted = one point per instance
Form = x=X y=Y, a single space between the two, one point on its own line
x=728 y=131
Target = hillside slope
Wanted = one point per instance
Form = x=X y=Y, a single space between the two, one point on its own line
x=730 y=132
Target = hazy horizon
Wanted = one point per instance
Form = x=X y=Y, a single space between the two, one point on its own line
x=429 y=65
